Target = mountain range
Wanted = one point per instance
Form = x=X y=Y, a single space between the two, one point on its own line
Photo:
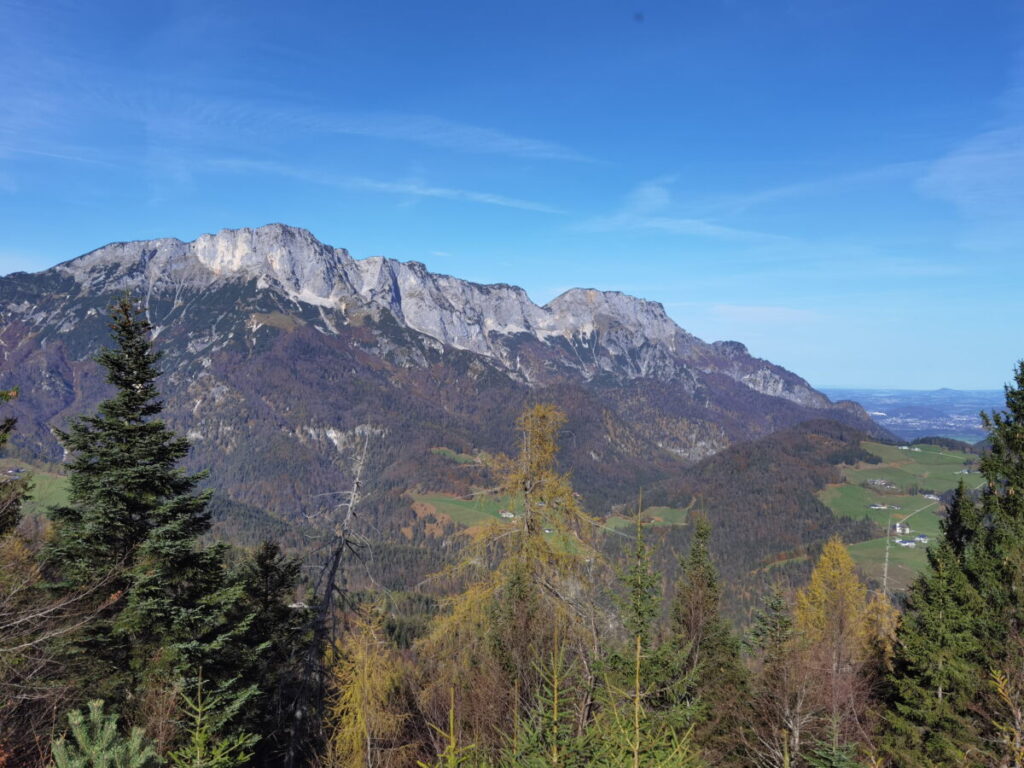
x=283 y=354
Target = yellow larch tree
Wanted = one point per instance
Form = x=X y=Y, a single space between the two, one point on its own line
x=832 y=622
x=367 y=717
x=526 y=582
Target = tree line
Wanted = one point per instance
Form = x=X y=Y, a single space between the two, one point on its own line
x=126 y=639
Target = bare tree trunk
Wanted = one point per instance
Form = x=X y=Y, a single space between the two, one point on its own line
x=329 y=593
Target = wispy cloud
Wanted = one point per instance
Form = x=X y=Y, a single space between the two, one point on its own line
x=436 y=132
x=60 y=104
x=182 y=114
x=983 y=177
x=650 y=206
x=418 y=189
x=826 y=185
x=407 y=188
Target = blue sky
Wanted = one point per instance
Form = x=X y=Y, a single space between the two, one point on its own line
x=839 y=185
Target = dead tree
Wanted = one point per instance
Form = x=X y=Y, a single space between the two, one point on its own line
x=330 y=597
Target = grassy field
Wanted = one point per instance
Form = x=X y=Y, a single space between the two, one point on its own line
x=904 y=564
x=467 y=512
x=924 y=466
x=485 y=509
x=458 y=458
x=48 y=489
x=651 y=516
x=930 y=468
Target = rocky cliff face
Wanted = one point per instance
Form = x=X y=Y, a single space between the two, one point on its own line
x=608 y=332
x=252 y=320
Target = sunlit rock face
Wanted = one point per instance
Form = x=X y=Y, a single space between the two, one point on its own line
x=600 y=332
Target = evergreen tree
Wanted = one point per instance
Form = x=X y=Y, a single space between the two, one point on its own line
x=710 y=685
x=204 y=747
x=965 y=615
x=270 y=650
x=97 y=743
x=639 y=609
x=939 y=667
x=124 y=479
x=782 y=713
x=642 y=603
x=997 y=564
x=134 y=518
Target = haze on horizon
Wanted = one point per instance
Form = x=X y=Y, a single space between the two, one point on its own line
x=837 y=185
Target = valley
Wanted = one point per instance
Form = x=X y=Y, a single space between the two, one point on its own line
x=908 y=486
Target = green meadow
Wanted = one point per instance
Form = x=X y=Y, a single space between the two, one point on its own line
x=48 y=488
x=458 y=458
x=923 y=468
x=467 y=512
x=485 y=509
x=651 y=516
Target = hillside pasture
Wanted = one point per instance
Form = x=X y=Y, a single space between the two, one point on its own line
x=657 y=516
x=929 y=467
x=904 y=564
x=48 y=488
x=923 y=466
x=458 y=458
x=468 y=512
x=855 y=501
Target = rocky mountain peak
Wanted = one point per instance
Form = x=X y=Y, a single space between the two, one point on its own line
x=582 y=332
x=588 y=310
x=275 y=254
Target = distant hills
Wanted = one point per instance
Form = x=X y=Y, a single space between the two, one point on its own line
x=912 y=414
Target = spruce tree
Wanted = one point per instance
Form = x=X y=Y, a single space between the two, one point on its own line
x=124 y=479
x=98 y=743
x=134 y=518
x=641 y=604
x=939 y=671
x=964 y=611
x=998 y=564
x=710 y=682
x=270 y=651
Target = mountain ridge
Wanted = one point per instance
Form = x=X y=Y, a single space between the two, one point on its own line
x=455 y=312
x=279 y=348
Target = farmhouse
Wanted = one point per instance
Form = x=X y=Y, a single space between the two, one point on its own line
x=921 y=538
x=901 y=528
x=906 y=543
x=506 y=514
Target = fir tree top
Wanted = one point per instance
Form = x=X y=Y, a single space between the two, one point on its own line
x=124 y=479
